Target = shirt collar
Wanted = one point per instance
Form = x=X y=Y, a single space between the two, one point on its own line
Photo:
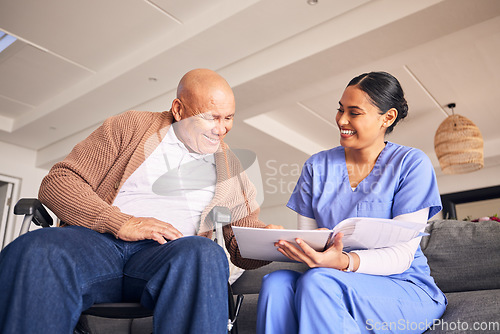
x=172 y=139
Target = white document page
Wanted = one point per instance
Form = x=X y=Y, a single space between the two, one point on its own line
x=359 y=233
x=371 y=233
x=258 y=243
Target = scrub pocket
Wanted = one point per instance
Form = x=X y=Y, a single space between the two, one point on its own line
x=374 y=209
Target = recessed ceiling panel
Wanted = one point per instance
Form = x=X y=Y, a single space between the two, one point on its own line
x=92 y=33
x=32 y=76
x=325 y=105
x=298 y=127
x=186 y=10
x=12 y=109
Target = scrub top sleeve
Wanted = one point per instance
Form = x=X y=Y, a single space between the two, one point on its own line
x=301 y=199
x=417 y=186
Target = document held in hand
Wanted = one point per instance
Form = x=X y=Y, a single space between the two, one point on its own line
x=359 y=233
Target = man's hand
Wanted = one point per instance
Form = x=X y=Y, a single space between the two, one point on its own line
x=274 y=227
x=141 y=228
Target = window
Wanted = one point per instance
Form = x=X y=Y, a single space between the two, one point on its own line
x=5 y=40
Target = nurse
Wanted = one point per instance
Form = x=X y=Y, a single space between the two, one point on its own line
x=387 y=290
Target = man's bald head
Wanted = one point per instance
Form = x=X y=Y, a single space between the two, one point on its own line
x=203 y=110
x=202 y=84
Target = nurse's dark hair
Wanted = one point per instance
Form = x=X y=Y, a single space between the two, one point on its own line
x=385 y=92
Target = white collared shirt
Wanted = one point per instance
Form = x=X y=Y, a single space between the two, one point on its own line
x=172 y=185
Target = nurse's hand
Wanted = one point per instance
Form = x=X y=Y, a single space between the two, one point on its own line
x=330 y=258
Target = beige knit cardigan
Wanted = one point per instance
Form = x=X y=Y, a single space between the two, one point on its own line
x=81 y=188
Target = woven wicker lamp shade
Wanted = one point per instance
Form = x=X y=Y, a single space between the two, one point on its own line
x=459 y=145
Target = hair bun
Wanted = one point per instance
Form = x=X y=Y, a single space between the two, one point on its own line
x=403 y=110
x=385 y=93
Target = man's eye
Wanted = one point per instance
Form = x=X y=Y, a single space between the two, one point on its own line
x=207 y=117
x=340 y=110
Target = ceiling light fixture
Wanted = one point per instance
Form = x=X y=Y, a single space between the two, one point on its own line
x=458 y=144
x=312 y=2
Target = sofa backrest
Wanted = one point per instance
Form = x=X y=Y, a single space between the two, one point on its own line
x=463 y=255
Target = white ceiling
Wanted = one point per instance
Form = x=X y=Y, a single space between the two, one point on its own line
x=78 y=62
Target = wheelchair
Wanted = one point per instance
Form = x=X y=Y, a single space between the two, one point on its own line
x=130 y=318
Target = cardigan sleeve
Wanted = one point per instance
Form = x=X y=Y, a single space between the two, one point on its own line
x=79 y=189
x=252 y=220
x=234 y=191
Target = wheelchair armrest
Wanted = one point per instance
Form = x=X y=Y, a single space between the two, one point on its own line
x=220 y=216
x=32 y=206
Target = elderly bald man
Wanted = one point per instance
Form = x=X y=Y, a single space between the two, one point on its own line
x=135 y=198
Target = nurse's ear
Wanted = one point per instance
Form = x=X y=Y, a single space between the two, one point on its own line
x=389 y=117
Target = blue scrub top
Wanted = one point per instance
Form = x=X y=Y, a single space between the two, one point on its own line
x=402 y=181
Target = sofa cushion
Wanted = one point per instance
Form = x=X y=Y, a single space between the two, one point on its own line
x=465 y=311
x=470 y=312
x=463 y=255
x=249 y=284
x=251 y=280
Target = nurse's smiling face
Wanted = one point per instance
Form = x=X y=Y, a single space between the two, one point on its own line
x=360 y=122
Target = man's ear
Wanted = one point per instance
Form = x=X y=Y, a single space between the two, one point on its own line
x=177 y=109
x=390 y=117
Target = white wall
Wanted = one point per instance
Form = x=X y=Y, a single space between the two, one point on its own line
x=486 y=177
x=279 y=215
x=19 y=162
x=475 y=210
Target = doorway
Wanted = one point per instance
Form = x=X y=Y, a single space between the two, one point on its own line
x=9 y=194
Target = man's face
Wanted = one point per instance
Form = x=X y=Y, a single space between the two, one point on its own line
x=203 y=123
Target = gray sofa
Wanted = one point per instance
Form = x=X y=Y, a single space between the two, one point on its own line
x=464 y=258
